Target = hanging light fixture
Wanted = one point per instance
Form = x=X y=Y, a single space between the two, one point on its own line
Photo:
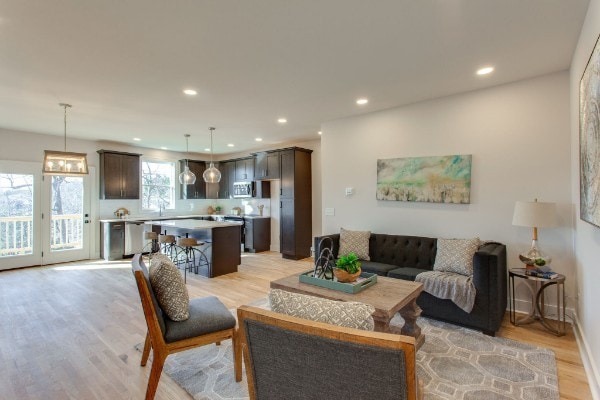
x=63 y=162
x=187 y=177
x=211 y=175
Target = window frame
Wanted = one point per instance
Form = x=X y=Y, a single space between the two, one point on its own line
x=171 y=188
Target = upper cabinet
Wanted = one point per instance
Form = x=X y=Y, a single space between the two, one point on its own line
x=119 y=175
x=197 y=190
x=244 y=169
x=266 y=165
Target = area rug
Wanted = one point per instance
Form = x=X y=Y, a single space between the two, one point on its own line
x=454 y=363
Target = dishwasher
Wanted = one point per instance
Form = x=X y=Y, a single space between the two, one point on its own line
x=134 y=237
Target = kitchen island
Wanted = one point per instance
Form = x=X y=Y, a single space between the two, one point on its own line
x=223 y=241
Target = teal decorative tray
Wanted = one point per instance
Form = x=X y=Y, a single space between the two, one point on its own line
x=365 y=280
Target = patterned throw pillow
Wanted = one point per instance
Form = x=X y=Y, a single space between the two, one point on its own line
x=456 y=255
x=168 y=286
x=341 y=313
x=356 y=242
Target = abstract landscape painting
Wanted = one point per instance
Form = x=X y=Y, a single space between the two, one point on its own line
x=440 y=179
x=589 y=140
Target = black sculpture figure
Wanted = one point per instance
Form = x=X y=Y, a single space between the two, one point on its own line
x=325 y=263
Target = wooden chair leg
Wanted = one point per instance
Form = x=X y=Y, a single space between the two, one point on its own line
x=146 y=352
x=237 y=355
x=158 y=361
x=218 y=343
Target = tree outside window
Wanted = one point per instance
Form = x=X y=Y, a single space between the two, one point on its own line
x=158 y=185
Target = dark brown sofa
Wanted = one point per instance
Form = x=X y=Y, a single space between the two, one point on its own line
x=404 y=257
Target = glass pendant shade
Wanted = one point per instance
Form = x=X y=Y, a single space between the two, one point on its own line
x=187 y=177
x=64 y=162
x=212 y=175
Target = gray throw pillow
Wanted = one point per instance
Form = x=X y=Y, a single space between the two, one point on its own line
x=169 y=288
x=356 y=242
x=341 y=313
x=456 y=255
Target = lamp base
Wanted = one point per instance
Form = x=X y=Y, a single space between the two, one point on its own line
x=534 y=257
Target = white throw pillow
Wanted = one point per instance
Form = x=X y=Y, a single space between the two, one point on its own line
x=456 y=255
x=341 y=313
x=356 y=242
x=169 y=288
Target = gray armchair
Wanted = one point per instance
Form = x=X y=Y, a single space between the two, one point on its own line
x=292 y=358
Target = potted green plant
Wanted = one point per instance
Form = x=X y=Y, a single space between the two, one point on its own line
x=347 y=268
x=218 y=209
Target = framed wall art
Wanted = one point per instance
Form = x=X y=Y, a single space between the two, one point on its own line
x=438 y=179
x=589 y=139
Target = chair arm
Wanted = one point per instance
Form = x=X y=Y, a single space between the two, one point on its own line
x=320 y=245
x=490 y=279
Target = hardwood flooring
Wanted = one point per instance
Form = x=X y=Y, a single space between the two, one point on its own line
x=68 y=331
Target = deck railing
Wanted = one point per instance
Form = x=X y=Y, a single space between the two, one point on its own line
x=16 y=234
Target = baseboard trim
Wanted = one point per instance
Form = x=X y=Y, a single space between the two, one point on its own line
x=591 y=370
x=524 y=306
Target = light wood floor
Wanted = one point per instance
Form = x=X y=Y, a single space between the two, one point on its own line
x=68 y=331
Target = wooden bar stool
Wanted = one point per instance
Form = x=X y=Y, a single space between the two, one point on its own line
x=151 y=245
x=191 y=255
x=167 y=245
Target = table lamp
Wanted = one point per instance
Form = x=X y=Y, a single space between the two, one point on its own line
x=536 y=215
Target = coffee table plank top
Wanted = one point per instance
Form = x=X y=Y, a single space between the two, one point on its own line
x=388 y=295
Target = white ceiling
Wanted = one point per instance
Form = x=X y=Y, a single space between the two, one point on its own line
x=123 y=64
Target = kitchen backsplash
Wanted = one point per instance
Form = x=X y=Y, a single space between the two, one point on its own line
x=184 y=207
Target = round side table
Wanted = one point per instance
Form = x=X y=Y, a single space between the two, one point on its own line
x=537 y=286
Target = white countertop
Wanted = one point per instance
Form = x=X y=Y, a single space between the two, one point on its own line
x=193 y=223
x=176 y=217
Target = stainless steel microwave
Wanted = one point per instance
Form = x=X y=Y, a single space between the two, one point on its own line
x=243 y=189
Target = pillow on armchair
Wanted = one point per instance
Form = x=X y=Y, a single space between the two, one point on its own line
x=341 y=313
x=456 y=255
x=170 y=290
x=356 y=242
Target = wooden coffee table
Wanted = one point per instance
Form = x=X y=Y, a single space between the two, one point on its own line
x=388 y=296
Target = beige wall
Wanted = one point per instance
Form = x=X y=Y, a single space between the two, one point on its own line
x=519 y=137
x=587 y=237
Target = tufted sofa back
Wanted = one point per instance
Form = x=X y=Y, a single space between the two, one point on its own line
x=403 y=251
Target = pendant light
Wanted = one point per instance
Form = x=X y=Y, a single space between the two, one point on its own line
x=211 y=175
x=187 y=177
x=63 y=162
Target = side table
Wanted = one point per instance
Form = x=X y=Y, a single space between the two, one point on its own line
x=537 y=286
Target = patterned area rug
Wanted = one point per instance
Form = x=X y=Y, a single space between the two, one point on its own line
x=454 y=363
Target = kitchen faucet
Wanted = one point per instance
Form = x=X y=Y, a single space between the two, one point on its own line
x=161 y=207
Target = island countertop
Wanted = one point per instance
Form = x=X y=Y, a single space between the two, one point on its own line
x=193 y=223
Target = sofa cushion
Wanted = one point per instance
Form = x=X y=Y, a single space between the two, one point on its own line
x=341 y=313
x=356 y=242
x=167 y=284
x=408 y=274
x=373 y=267
x=456 y=255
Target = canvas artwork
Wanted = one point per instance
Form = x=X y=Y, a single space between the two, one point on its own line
x=589 y=139
x=440 y=179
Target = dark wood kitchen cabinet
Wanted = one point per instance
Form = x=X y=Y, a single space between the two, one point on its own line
x=197 y=190
x=257 y=234
x=244 y=169
x=227 y=169
x=266 y=165
x=295 y=203
x=119 y=175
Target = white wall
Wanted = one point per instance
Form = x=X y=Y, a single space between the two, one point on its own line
x=587 y=237
x=519 y=137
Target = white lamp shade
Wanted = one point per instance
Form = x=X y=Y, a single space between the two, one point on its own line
x=535 y=214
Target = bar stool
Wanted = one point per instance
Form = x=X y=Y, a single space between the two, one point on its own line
x=167 y=246
x=151 y=245
x=191 y=255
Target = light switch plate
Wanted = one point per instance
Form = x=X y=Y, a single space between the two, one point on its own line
x=330 y=211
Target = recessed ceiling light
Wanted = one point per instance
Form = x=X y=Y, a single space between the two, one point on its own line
x=282 y=120
x=362 y=101
x=207 y=149
x=320 y=133
x=163 y=148
x=190 y=92
x=485 y=70
x=137 y=139
x=258 y=139
x=229 y=144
